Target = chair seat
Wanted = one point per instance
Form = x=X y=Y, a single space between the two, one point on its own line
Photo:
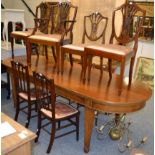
x=24 y=95
x=61 y=111
x=23 y=33
x=112 y=49
x=47 y=37
x=79 y=47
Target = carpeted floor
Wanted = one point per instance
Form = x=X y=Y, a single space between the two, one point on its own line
x=142 y=125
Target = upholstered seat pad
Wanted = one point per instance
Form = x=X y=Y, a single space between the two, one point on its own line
x=112 y=48
x=47 y=37
x=79 y=47
x=23 y=33
x=61 y=111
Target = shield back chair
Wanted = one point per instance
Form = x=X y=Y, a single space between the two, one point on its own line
x=41 y=22
x=23 y=91
x=97 y=25
x=62 y=21
x=53 y=111
x=119 y=51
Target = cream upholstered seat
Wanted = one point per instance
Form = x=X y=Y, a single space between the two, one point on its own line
x=95 y=20
x=62 y=20
x=116 y=52
x=41 y=20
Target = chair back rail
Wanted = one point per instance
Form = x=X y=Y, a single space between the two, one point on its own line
x=95 y=19
x=128 y=11
x=21 y=78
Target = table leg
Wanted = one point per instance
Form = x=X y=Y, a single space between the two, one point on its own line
x=28 y=51
x=89 y=122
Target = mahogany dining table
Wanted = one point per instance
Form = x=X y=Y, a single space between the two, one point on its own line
x=99 y=93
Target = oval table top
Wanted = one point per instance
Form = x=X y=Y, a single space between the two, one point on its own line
x=99 y=89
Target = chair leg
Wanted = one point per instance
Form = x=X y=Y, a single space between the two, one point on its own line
x=131 y=70
x=71 y=60
x=52 y=137
x=77 y=127
x=110 y=68
x=17 y=109
x=46 y=52
x=12 y=47
x=54 y=55
x=59 y=124
x=62 y=60
x=89 y=66
x=39 y=126
x=28 y=116
x=101 y=64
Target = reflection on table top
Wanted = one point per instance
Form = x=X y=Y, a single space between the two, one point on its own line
x=99 y=89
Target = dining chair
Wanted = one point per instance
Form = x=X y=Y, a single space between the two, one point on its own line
x=52 y=111
x=41 y=21
x=119 y=52
x=95 y=26
x=62 y=21
x=23 y=91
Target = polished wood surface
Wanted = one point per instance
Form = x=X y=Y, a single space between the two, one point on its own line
x=97 y=94
x=13 y=144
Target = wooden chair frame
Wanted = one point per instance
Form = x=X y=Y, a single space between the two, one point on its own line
x=119 y=52
x=96 y=19
x=46 y=97
x=57 y=30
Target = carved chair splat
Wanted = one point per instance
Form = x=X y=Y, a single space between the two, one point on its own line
x=97 y=20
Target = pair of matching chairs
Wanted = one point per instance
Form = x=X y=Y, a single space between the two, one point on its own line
x=53 y=29
x=114 y=51
x=41 y=94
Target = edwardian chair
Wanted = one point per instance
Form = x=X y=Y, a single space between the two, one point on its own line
x=119 y=51
x=50 y=109
x=24 y=93
x=62 y=21
x=94 y=29
x=41 y=25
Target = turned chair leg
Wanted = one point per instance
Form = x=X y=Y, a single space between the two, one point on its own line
x=101 y=64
